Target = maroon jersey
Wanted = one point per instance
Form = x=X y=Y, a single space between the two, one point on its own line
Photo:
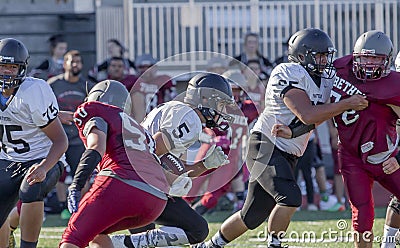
x=128 y=152
x=371 y=133
x=129 y=81
x=256 y=95
x=156 y=91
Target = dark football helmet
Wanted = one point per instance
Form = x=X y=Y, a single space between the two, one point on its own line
x=111 y=92
x=304 y=46
x=13 y=51
x=211 y=93
x=372 y=44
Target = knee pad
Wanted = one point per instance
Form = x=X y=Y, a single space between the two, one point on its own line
x=291 y=196
x=198 y=233
x=38 y=191
x=395 y=205
x=251 y=221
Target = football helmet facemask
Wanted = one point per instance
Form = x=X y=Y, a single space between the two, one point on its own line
x=314 y=50
x=210 y=93
x=13 y=52
x=111 y=92
x=372 y=44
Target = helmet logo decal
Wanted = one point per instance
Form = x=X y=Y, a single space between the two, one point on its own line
x=367 y=51
x=7 y=59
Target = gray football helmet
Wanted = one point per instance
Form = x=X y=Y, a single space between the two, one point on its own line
x=111 y=92
x=305 y=44
x=372 y=44
x=211 y=93
x=13 y=51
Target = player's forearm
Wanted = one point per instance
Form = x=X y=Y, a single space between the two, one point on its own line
x=57 y=149
x=320 y=113
x=196 y=169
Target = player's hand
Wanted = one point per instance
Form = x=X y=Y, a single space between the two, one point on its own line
x=282 y=131
x=356 y=102
x=181 y=186
x=74 y=196
x=215 y=157
x=391 y=165
x=66 y=117
x=222 y=141
x=36 y=174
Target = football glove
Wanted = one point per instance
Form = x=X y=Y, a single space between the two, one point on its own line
x=181 y=186
x=74 y=196
x=215 y=157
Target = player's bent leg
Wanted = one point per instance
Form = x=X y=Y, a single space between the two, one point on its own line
x=4 y=234
x=32 y=209
x=392 y=224
x=102 y=241
x=179 y=214
x=182 y=225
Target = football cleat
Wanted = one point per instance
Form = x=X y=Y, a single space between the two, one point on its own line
x=11 y=240
x=118 y=241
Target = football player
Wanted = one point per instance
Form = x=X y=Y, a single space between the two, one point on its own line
x=175 y=127
x=33 y=140
x=369 y=155
x=220 y=181
x=297 y=92
x=129 y=175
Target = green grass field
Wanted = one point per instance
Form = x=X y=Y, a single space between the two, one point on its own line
x=303 y=224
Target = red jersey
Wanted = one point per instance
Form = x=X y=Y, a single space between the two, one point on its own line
x=128 y=153
x=129 y=81
x=159 y=90
x=371 y=133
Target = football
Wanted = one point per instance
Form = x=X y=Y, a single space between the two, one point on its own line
x=172 y=164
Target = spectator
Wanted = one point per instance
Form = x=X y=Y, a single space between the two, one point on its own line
x=150 y=86
x=255 y=88
x=251 y=52
x=53 y=65
x=114 y=49
x=217 y=65
x=304 y=165
x=284 y=57
x=70 y=89
x=115 y=71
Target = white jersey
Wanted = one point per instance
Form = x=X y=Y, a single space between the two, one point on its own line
x=178 y=121
x=33 y=106
x=284 y=77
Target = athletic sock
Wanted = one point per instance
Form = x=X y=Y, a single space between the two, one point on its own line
x=26 y=244
x=273 y=240
x=388 y=239
x=217 y=241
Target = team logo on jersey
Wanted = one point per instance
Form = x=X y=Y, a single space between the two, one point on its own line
x=367 y=147
x=346 y=86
